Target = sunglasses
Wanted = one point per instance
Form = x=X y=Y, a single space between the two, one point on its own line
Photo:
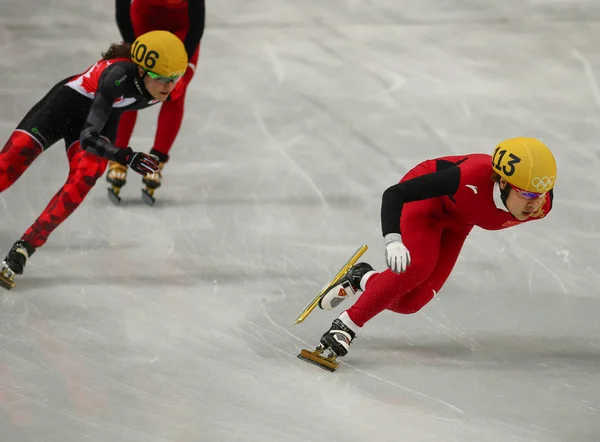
x=527 y=195
x=163 y=79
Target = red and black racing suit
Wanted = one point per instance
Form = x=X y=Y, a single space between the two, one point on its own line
x=84 y=111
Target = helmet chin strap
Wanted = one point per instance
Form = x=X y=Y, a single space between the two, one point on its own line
x=139 y=84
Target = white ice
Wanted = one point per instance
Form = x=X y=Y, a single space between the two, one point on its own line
x=175 y=323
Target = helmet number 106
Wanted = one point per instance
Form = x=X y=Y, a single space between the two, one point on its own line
x=142 y=55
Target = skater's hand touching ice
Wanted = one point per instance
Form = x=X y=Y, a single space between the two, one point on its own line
x=397 y=255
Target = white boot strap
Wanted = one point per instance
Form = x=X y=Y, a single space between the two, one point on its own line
x=22 y=251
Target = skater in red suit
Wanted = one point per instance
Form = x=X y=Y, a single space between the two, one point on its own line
x=84 y=111
x=184 y=18
x=426 y=219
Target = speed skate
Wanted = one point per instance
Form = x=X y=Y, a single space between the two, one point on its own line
x=322 y=356
x=7 y=277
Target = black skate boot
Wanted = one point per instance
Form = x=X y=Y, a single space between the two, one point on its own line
x=347 y=285
x=14 y=263
x=333 y=344
x=338 y=338
x=117 y=177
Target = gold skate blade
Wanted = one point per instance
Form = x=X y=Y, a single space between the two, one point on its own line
x=315 y=358
x=313 y=304
x=6 y=281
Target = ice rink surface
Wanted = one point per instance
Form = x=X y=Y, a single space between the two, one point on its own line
x=175 y=323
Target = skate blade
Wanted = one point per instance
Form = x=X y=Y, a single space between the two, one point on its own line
x=6 y=282
x=315 y=358
x=315 y=302
x=147 y=196
x=113 y=195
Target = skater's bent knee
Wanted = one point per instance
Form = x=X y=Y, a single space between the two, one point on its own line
x=412 y=302
x=93 y=168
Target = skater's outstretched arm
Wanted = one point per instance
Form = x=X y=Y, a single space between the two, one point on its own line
x=436 y=184
x=111 y=86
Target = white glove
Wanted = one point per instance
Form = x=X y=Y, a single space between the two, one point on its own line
x=396 y=253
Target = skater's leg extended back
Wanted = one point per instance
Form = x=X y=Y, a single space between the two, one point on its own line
x=18 y=153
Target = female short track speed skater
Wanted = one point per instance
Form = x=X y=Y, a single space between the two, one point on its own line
x=426 y=219
x=84 y=111
x=184 y=18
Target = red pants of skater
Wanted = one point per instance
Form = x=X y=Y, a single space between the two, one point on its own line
x=146 y=19
x=434 y=243
x=84 y=170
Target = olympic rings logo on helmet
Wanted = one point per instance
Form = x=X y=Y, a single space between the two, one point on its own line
x=543 y=184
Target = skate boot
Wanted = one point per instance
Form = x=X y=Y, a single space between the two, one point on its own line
x=334 y=343
x=348 y=285
x=334 y=281
x=338 y=338
x=117 y=177
x=152 y=181
x=14 y=263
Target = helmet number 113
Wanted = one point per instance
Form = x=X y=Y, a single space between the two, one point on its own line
x=509 y=168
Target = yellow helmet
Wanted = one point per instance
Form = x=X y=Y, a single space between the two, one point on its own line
x=160 y=52
x=525 y=163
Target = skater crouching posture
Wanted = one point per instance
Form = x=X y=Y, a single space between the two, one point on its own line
x=426 y=219
x=84 y=111
x=186 y=19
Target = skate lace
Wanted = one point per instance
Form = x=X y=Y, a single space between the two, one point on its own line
x=23 y=251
